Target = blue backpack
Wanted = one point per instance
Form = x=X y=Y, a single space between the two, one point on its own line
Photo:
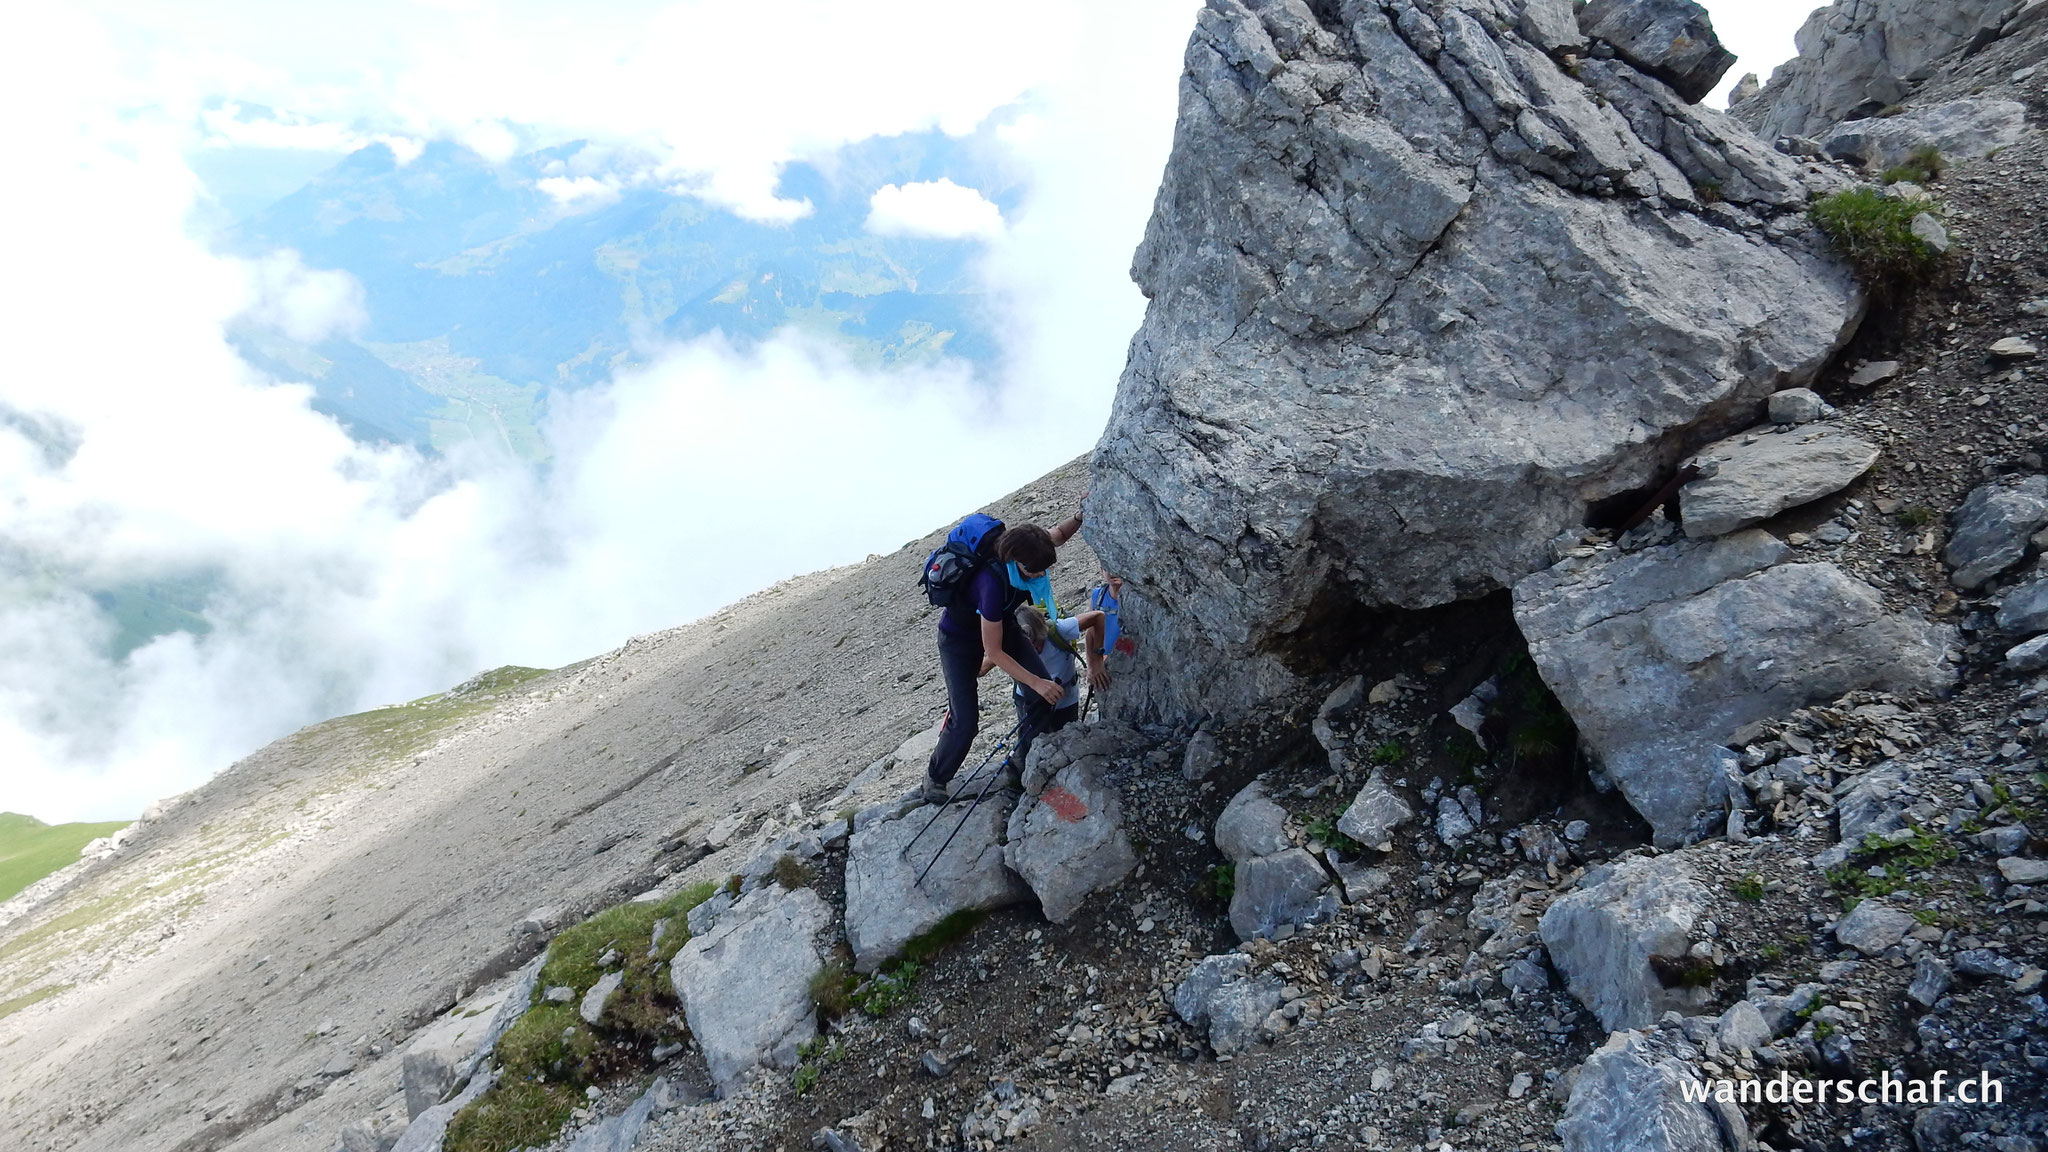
x=946 y=570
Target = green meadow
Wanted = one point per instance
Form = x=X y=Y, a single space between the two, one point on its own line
x=31 y=849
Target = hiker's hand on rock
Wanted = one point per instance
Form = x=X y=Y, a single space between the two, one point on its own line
x=1050 y=690
x=1098 y=673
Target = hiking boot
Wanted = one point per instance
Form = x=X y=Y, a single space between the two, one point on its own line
x=935 y=792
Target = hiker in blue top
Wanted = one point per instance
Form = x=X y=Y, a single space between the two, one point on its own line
x=1104 y=598
x=1008 y=570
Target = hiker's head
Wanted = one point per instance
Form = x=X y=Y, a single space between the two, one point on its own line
x=1029 y=547
x=1115 y=583
x=1032 y=621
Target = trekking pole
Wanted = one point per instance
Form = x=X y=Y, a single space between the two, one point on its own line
x=1031 y=721
x=940 y=810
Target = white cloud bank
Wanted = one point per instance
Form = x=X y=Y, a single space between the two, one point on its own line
x=936 y=208
x=350 y=576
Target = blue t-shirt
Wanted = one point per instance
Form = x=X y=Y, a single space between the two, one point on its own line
x=1101 y=598
x=987 y=595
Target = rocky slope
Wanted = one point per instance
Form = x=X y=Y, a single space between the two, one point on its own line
x=1714 y=752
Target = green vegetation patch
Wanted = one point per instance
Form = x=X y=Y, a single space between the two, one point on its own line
x=31 y=849
x=1924 y=166
x=1896 y=865
x=551 y=1054
x=1874 y=232
x=399 y=731
x=10 y=1007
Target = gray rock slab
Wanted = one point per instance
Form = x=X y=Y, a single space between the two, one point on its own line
x=886 y=905
x=1660 y=655
x=1992 y=527
x=2025 y=609
x=1873 y=926
x=1758 y=475
x=1628 y=1098
x=1287 y=887
x=1360 y=380
x=1376 y=813
x=2020 y=870
x=746 y=986
x=1875 y=803
x=1251 y=825
x=1672 y=40
x=1959 y=129
x=1602 y=935
x=1359 y=880
x=1068 y=841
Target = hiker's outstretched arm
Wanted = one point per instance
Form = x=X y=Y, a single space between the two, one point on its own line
x=992 y=651
x=1065 y=529
x=1094 y=627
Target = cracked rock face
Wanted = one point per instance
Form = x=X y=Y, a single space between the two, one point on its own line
x=1420 y=292
x=1857 y=57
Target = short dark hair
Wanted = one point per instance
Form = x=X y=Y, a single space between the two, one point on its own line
x=1027 y=546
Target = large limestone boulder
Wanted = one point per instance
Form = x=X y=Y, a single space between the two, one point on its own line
x=1418 y=297
x=1761 y=473
x=1251 y=825
x=746 y=986
x=1857 y=57
x=1605 y=936
x=1660 y=655
x=887 y=906
x=1068 y=841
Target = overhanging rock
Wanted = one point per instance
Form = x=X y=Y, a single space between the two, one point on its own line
x=1419 y=295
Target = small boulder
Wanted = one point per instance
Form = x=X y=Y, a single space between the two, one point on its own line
x=1191 y=998
x=1629 y=1098
x=2014 y=348
x=1238 y=1008
x=2031 y=656
x=1204 y=755
x=1795 y=406
x=1993 y=526
x=1287 y=887
x=1672 y=40
x=1875 y=372
x=1375 y=813
x=1069 y=840
x=1873 y=926
x=1931 y=232
x=1252 y=825
x=746 y=987
x=599 y=997
x=1742 y=1026
x=2025 y=610
x=1755 y=477
x=1604 y=935
x=1931 y=981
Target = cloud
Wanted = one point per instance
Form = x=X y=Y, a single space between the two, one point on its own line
x=936 y=208
x=136 y=446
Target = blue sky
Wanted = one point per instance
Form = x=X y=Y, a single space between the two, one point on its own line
x=137 y=444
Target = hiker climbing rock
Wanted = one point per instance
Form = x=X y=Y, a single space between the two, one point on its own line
x=981 y=576
x=1057 y=645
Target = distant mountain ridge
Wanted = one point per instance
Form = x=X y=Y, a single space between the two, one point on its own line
x=485 y=296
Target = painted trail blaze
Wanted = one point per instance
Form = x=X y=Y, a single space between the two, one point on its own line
x=1064 y=804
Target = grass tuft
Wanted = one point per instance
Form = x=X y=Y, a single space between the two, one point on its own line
x=1924 y=166
x=1875 y=234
